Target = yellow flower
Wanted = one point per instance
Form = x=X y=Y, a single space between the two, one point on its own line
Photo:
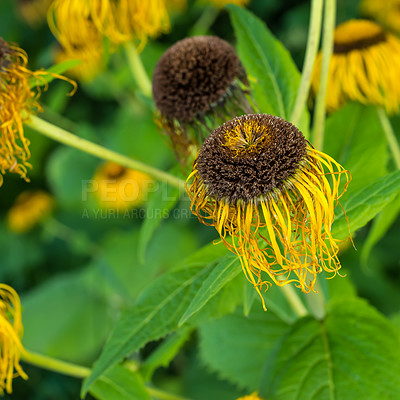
x=364 y=67
x=253 y=396
x=223 y=3
x=82 y=27
x=258 y=180
x=119 y=187
x=34 y=11
x=11 y=331
x=29 y=209
x=17 y=101
x=386 y=12
x=197 y=83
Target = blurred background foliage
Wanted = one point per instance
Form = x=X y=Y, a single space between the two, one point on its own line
x=81 y=266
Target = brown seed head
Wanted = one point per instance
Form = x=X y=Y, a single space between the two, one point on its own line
x=250 y=156
x=193 y=74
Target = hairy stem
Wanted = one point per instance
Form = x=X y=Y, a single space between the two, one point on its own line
x=314 y=34
x=65 y=137
x=316 y=301
x=327 y=50
x=138 y=71
x=390 y=136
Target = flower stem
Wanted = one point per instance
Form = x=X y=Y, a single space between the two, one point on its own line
x=316 y=301
x=327 y=50
x=78 y=371
x=203 y=24
x=390 y=136
x=62 y=136
x=314 y=34
x=138 y=71
x=294 y=300
x=52 y=364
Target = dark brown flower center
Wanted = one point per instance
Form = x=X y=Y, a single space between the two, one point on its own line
x=193 y=74
x=250 y=156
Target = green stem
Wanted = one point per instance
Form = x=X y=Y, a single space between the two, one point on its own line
x=138 y=71
x=203 y=24
x=62 y=136
x=314 y=34
x=77 y=371
x=390 y=136
x=294 y=300
x=327 y=50
x=316 y=301
x=52 y=364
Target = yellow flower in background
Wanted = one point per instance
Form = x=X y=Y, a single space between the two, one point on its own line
x=253 y=396
x=386 y=12
x=198 y=83
x=258 y=180
x=120 y=188
x=11 y=331
x=223 y=3
x=17 y=101
x=364 y=67
x=84 y=27
x=29 y=208
x=34 y=11
x=176 y=5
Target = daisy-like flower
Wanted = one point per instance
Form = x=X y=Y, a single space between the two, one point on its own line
x=386 y=12
x=11 y=331
x=34 y=11
x=17 y=101
x=82 y=27
x=258 y=180
x=364 y=67
x=28 y=210
x=198 y=83
x=120 y=188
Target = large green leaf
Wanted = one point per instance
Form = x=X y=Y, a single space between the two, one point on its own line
x=354 y=353
x=236 y=346
x=120 y=383
x=155 y=314
x=273 y=75
x=227 y=269
x=354 y=137
x=361 y=206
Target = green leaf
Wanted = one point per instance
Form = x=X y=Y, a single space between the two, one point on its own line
x=120 y=383
x=354 y=137
x=227 y=269
x=236 y=346
x=55 y=69
x=380 y=226
x=156 y=313
x=164 y=353
x=158 y=208
x=361 y=206
x=354 y=353
x=272 y=73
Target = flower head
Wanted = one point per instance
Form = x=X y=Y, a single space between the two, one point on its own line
x=119 y=187
x=82 y=27
x=29 y=209
x=11 y=331
x=259 y=181
x=196 y=84
x=17 y=101
x=364 y=67
x=386 y=12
